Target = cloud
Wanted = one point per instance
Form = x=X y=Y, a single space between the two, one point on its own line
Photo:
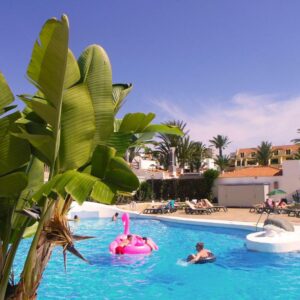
x=246 y=119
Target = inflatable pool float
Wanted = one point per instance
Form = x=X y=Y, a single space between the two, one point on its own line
x=211 y=258
x=138 y=245
x=205 y=260
x=278 y=236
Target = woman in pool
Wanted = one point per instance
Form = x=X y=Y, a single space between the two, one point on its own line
x=115 y=217
x=123 y=244
x=202 y=253
x=150 y=243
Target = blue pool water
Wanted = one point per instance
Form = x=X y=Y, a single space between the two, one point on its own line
x=237 y=273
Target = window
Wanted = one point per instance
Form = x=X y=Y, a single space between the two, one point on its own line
x=288 y=152
x=253 y=154
x=274 y=161
x=275 y=152
x=242 y=154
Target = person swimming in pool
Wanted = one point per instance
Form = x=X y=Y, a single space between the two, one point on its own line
x=150 y=243
x=201 y=253
x=115 y=217
x=123 y=244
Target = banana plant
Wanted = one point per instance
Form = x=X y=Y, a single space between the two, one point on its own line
x=20 y=176
x=69 y=124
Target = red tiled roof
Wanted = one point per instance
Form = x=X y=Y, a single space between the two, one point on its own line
x=286 y=147
x=246 y=150
x=281 y=147
x=258 y=171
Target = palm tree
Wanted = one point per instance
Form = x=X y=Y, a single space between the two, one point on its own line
x=220 y=142
x=296 y=141
x=222 y=162
x=297 y=155
x=185 y=150
x=167 y=141
x=198 y=154
x=264 y=153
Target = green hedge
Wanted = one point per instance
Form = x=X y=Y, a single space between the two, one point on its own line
x=180 y=188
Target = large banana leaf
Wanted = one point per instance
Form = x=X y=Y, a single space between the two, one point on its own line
x=46 y=71
x=96 y=74
x=14 y=155
x=80 y=186
x=113 y=170
x=119 y=92
x=109 y=175
x=162 y=128
x=77 y=128
x=11 y=186
x=48 y=61
x=35 y=177
x=14 y=152
x=6 y=96
x=65 y=136
x=136 y=129
x=135 y=122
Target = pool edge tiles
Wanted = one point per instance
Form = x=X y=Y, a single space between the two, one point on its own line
x=104 y=211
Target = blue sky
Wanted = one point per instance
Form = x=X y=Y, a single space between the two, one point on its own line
x=224 y=67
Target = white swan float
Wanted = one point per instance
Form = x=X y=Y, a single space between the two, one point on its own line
x=277 y=236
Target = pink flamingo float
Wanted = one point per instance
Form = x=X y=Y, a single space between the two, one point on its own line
x=138 y=245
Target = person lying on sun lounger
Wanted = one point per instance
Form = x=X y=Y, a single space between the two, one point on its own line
x=201 y=204
x=282 y=203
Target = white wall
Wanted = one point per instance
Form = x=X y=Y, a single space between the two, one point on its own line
x=252 y=180
x=92 y=210
x=291 y=177
x=242 y=195
x=210 y=163
x=289 y=181
x=147 y=164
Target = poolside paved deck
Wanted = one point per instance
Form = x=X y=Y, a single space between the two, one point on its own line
x=233 y=214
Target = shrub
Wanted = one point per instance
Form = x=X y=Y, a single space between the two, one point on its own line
x=210 y=176
x=296 y=197
x=180 y=188
x=144 y=192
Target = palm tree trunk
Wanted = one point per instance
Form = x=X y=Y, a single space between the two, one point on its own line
x=220 y=152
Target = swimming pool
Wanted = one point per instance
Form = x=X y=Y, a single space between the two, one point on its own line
x=237 y=273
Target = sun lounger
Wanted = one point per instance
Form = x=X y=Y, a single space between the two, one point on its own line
x=180 y=205
x=163 y=209
x=191 y=209
x=293 y=212
x=257 y=208
x=152 y=211
x=268 y=210
x=215 y=208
